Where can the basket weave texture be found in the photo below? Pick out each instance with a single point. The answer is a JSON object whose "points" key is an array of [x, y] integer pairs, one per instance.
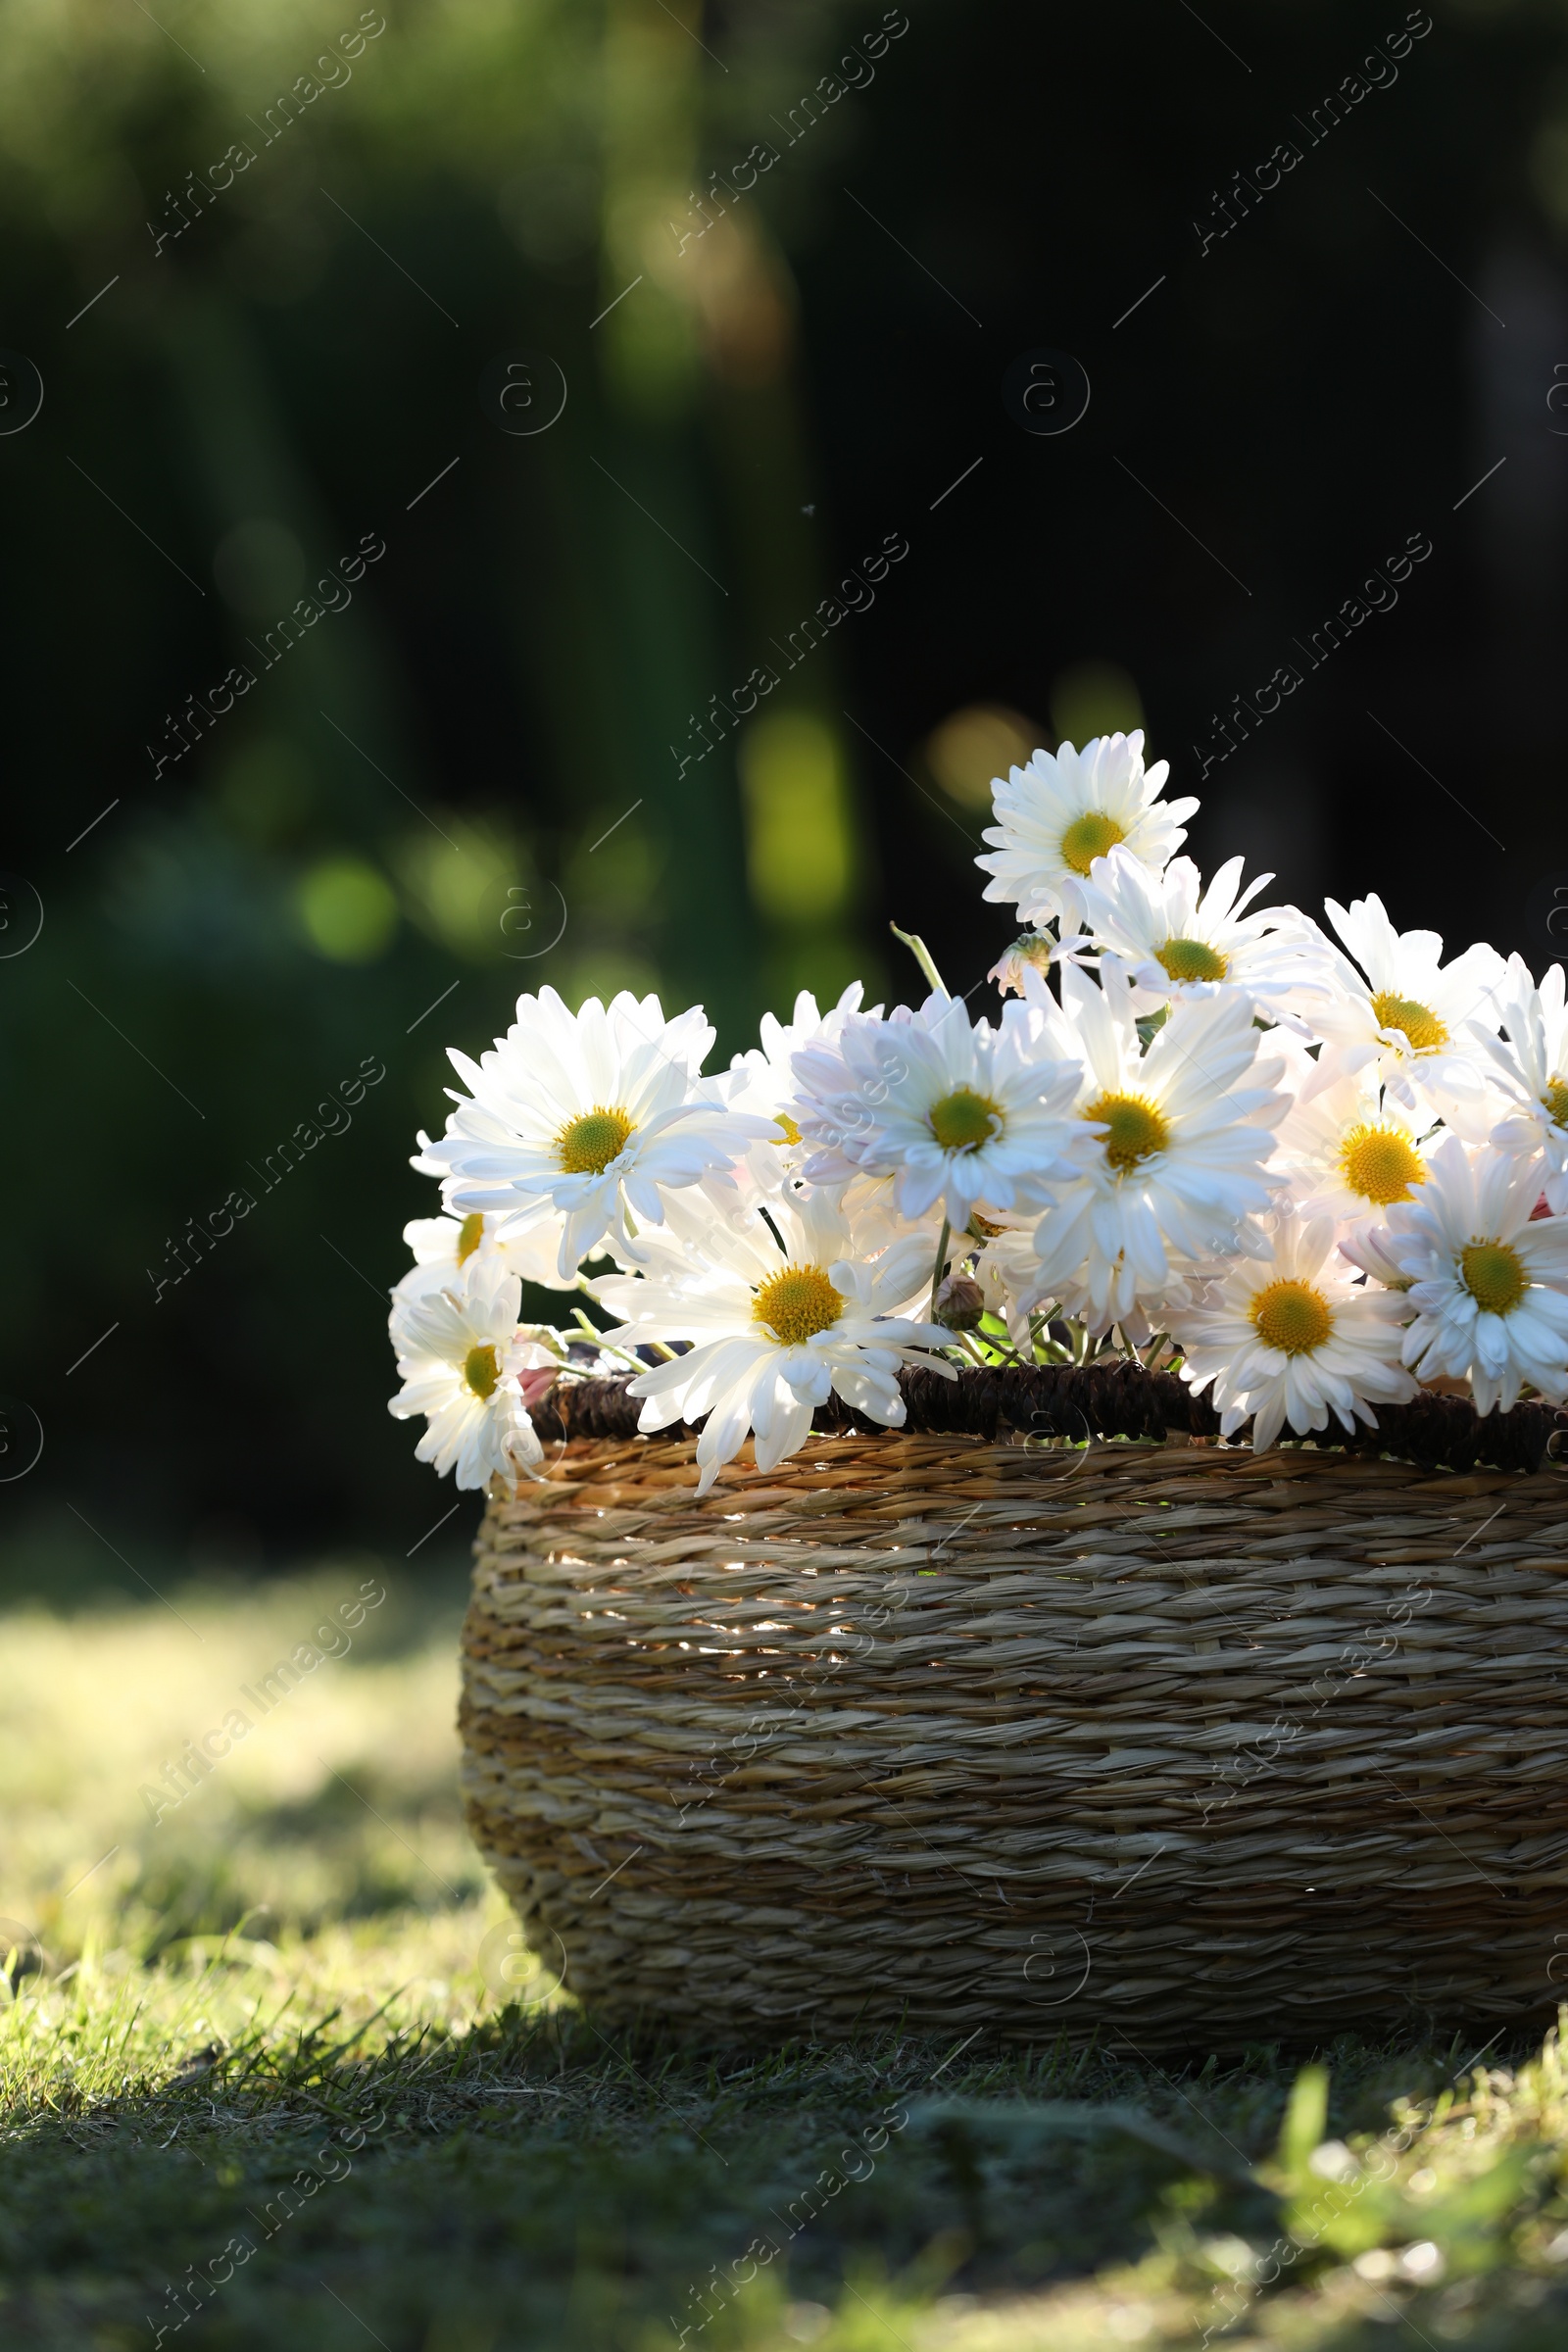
{"points": [[1174, 1742]]}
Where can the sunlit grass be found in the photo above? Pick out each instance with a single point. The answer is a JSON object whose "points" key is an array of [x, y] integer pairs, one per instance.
{"points": [[338, 1801]]}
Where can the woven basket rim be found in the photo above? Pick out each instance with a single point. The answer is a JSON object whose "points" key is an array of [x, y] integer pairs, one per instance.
{"points": [[1117, 1399]]}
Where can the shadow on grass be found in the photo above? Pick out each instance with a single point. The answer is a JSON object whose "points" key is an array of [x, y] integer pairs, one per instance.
{"points": [[541, 2181]]}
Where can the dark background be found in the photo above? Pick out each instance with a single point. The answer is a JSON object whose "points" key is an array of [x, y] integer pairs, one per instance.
{"points": [[238, 933]]}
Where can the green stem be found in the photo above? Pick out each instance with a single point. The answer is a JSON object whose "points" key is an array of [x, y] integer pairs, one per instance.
{"points": [[922, 956], [939, 1268], [1003, 1349], [591, 1331]]}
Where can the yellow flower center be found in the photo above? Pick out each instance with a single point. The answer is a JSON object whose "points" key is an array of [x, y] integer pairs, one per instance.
{"points": [[1494, 1275], [963, 1120], [1293, 1317], [1089, 837], [1381, 1164], [1137, 1129], [1421, 1025], [797, 1304], [1555, 1100], [471, 1236], [1191, 960], [481, 1371], [586, 1146], [792, 1133]]}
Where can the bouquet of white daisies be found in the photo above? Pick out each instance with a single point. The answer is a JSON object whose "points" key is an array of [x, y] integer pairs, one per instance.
{"points": [[1311, 1174]]}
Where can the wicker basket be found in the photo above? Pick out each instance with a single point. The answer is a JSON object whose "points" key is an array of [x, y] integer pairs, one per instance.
{"points": [[1172, 1742]]}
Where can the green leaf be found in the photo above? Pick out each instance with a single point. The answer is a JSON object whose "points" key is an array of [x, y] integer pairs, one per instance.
{"points": [[1305, 2118]]}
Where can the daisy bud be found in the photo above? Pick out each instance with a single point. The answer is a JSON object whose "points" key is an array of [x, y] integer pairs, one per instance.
{"points": [[1036, 948], [960, 1303]]}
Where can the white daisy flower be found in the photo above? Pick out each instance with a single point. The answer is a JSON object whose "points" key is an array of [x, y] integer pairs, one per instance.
{"points": [[1368, 1248], [1530, 1068], [763, 1080], [1036, 952], [1487, 1281], [780, 1313], [1291, 1338], [533, 1231], [1179, 1150], [466, 1367], [953, 1112], [1055, 816], [1349, 1150], [762, 1085], [580, 1122], [1179, 940], [1404, 1014], [442, 1245]]}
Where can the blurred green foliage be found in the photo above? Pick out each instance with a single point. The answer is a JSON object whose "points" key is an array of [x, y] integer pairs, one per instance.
{"points": [[308, 237]]}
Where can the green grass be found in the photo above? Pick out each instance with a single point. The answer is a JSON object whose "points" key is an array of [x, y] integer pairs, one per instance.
{"points": [[269, 2046]]}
